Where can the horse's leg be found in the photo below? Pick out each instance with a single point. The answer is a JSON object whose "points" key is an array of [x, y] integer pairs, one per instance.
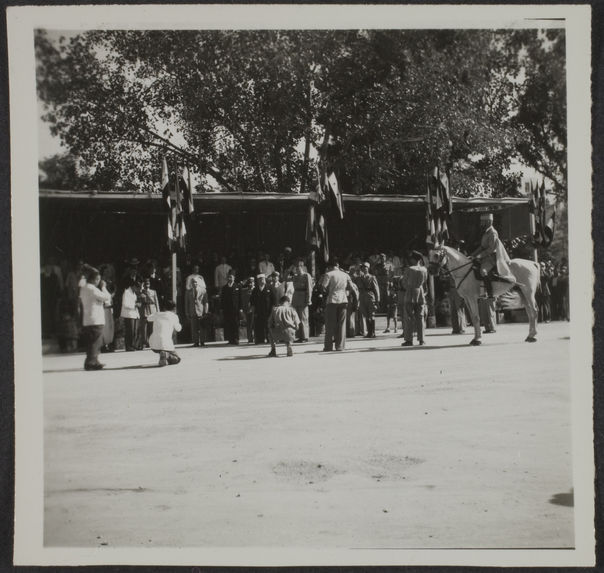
{"points": [[532, 311], [475, 316]]}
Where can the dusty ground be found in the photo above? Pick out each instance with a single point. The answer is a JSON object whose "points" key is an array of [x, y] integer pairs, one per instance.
{"points": [[378, 446]]}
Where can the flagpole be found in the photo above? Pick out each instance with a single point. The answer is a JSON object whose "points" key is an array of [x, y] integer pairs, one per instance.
{"points": [[533, 230]]}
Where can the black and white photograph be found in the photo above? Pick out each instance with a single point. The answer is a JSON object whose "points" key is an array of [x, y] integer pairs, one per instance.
{"points": [[302, 285]]}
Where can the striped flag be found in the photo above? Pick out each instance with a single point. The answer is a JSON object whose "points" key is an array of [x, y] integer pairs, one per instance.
{"points": [[439, 207]]}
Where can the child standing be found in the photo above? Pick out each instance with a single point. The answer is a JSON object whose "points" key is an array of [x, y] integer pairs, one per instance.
{"points": [[391, 305], [161, 341], [282, 325]]}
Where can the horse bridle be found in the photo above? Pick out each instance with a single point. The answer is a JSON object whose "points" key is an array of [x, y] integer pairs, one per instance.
{"points": [[442, 266]]}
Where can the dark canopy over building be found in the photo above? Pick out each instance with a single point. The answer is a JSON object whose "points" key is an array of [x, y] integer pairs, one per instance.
{"points": [[104, 226]]}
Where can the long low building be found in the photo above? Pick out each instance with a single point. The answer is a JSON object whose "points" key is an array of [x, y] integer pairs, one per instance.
{"points": [[115, 225]]}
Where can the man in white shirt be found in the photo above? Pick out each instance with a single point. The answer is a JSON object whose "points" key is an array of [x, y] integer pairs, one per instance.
{"points": [[265, 266], [221, 272], [336, 283]]}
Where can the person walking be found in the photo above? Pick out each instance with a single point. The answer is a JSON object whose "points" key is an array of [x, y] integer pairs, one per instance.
{"points": [[282, 325], [335, 282], [414, 279], [94, 296]]}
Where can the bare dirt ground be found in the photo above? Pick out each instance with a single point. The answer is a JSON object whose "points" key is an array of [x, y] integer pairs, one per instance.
{"points": [[445, 445]]}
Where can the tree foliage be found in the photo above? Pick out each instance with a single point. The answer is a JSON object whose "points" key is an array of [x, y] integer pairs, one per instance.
{"points": [[246, 109]]}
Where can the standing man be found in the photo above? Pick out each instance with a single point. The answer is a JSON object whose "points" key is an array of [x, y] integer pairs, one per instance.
{"points": [[369, 293], [336, 283], [261, 300], [230, 299], [246, 293], [414, 279], [302, 283], [196, 309]]}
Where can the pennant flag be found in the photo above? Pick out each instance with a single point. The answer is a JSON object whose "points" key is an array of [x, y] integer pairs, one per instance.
{"points": [[549, 229], [187, 192], [165, 183], [332, 185]]}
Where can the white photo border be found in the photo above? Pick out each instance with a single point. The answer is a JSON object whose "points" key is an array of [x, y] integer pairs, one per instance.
{"points": [[21, 23]]}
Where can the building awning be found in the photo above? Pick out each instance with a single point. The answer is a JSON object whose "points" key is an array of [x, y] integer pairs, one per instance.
{"points": [[246, 202]]}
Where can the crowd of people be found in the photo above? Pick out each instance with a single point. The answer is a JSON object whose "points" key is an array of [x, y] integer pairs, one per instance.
{"points": [[234, 298]]}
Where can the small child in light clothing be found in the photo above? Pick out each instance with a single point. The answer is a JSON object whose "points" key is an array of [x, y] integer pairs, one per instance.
{"points": [[282, 326], [161, 341]]}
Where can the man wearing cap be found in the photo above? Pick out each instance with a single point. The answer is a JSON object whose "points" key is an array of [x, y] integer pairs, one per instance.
{"points": [[232, 309], [302, 283], [414, 279], [335, 282], [491, 255], [261, 301], [369, 295]]}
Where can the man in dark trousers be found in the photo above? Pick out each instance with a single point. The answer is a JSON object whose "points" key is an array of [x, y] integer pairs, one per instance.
{"points": [[230, 300], [336, 283], [369, 294], [261, 300]]}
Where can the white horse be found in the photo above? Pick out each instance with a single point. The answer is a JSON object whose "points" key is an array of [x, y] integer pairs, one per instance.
{"points": [[459, 267]]}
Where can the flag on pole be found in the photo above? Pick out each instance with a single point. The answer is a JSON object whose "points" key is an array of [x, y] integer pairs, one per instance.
{"points": [[316, 224], [439, 207]]}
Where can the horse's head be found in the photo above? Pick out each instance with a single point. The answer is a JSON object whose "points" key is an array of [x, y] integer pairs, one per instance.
{"points": [[437, 259]]}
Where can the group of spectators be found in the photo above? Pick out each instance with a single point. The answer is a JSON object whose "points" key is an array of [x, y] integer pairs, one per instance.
{"points": [[238, 293], [552, 297]]}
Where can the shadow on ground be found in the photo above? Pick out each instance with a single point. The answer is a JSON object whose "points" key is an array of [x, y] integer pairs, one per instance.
{"points": [[565, 499]]}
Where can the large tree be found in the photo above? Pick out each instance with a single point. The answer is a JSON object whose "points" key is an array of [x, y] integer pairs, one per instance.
{"points": [[245, 109]]}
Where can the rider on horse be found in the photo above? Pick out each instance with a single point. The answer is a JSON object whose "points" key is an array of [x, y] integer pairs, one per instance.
{"points": [[491, 255]]}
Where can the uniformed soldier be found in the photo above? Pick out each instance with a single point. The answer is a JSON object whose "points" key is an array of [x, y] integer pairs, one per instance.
{"points": [[369, 294], [414, 279], [491, 255]]}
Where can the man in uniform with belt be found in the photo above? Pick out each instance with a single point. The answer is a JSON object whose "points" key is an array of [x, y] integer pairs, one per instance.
{"points": [[414, 279], [369, 294], [302, 283]]}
